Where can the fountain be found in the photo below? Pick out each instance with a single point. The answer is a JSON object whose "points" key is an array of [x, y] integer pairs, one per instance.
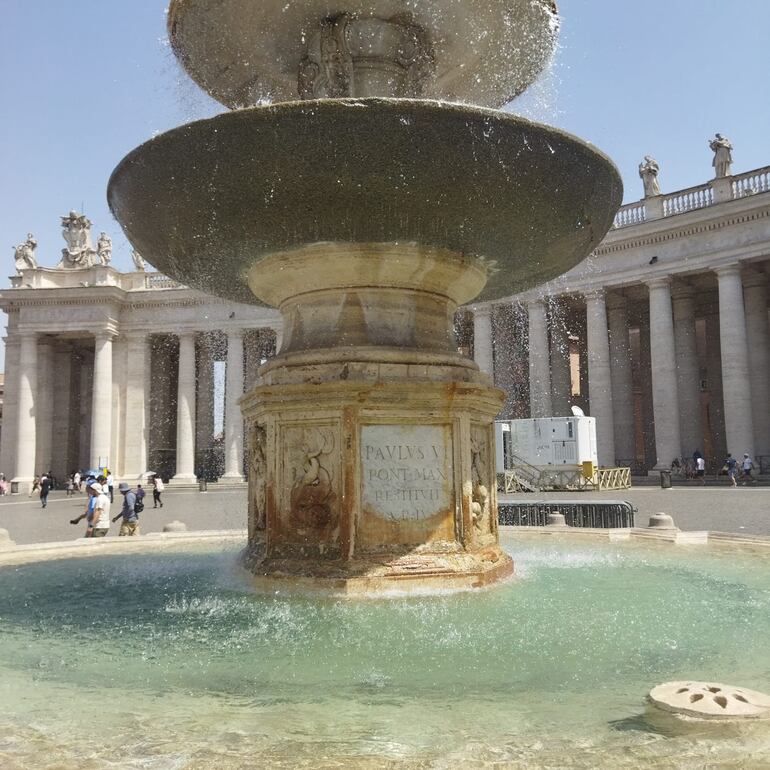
{"points": [[367, 208]]}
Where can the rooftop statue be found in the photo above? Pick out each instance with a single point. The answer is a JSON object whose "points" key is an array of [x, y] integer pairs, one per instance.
{"points": [[648, 171], [104, 249], [723, 155], [24, 254], [76, 230], [139, 264]]}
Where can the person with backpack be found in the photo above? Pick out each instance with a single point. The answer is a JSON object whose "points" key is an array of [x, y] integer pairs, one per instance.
{"points": [[130, 511]]}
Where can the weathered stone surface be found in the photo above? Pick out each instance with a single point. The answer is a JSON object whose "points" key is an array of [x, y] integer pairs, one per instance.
{"points": [[242, 52], [270, 180]]}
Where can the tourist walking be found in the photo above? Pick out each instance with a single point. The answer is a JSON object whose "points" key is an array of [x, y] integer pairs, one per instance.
{"points": [[3, 485], [731, 466], [130, 511], [157, 491], [45, 488], [76, 480], [746, 467], [35, 486], [700, 469], [97, 512], [140, 493]]}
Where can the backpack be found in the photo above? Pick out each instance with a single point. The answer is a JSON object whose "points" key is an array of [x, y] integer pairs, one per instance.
{"points": [[138, 506]]}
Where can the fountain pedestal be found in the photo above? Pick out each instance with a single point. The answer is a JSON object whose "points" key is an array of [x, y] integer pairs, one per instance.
{"points": [[370, 438], [382, 479]]}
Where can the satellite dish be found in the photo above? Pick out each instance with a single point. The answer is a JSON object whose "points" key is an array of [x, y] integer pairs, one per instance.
{"points": [[578, 412]]}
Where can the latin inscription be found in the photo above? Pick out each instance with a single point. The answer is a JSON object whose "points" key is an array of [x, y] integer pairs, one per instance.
{"points": [[407, 470]]}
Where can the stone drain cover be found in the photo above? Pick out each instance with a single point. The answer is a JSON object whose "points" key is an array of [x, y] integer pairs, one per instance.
{"points": [[706, 700]]}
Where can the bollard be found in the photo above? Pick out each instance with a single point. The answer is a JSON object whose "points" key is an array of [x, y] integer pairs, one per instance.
{"points": [[665, 479], [661, 521], [203, 485]]}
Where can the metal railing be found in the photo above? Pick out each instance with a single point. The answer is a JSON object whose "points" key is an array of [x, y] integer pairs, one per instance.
{"points": [[613, 478], [600, 514]]}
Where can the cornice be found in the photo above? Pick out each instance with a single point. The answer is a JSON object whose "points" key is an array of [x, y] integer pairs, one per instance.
{"points": [[673, 234]]}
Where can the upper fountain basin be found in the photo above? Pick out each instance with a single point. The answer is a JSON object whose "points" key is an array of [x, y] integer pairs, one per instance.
{"points": [[206, 202], [244, 52]]}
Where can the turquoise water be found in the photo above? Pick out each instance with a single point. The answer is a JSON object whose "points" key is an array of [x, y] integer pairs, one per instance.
{"points": [[170, 661]]}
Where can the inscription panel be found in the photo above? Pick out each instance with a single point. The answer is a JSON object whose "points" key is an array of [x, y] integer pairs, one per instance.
{"points": [[406, 471]]}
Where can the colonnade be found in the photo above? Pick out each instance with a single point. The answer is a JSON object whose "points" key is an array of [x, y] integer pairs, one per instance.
{"points": [[732, 367], [49, 377]]}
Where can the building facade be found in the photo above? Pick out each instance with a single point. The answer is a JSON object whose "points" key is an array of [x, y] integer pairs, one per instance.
{"points": [[662, 334], [119, 370]]}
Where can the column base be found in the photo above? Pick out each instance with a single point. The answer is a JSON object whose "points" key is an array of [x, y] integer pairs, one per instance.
{"points": [[232, 478], [21, 485], [183, 480]]}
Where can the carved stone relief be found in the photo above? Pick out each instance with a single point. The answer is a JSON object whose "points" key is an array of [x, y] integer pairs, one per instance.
{"points": [[481, 505], [257, 477], [312, 468]]}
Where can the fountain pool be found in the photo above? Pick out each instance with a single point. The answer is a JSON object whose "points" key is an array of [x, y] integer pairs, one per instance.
{"points": [[173, 662]]}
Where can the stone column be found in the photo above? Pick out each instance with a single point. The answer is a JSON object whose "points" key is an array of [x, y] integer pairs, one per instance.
{"points": [[204, 425], [136, 406], [25, 421], [561, 381], [62, 397], [539, 361], [736, 383], [278, 338], [599, 378], [648, 412], [758, 335], [10, 407], [44, 409], [185, 412], [482, 339], [665, 397], [233, 416], [101, 401], [716, 395], [687, 370], [622, 381]]}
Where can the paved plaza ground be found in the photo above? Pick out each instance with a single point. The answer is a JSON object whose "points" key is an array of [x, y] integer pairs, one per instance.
{"points": [[744, 510]]}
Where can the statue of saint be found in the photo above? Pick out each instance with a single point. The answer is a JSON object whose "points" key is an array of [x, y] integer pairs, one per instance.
{"points": [[76, 230], [648, 171], [24, 254], [723, 155], [104, 249], [138, 261]]}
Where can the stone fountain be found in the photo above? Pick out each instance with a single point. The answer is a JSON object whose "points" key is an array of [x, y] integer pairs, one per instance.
{"points": [[352, 189]]}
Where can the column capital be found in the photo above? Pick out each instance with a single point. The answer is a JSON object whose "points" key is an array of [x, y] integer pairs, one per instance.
{"points": [[105, 335], [26, 334], [661, 282], [734, 268], [682, 290], [594, 295], [481, 310]]}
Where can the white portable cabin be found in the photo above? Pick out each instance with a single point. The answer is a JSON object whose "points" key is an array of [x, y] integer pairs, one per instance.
{"points": [[546, 442]]}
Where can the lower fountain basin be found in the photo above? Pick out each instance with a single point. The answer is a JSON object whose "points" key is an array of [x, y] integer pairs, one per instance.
{"points": [[184, 667], [206, 202]]}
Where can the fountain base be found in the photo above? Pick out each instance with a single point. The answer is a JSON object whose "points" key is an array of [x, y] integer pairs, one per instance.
{"points": [[373, 477]]}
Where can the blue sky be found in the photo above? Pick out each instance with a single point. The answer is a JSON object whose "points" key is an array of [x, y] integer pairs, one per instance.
{"points": [[87, 80]]}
